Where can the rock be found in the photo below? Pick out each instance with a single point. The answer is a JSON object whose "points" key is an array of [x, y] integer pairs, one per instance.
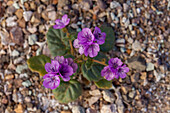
{"points": [[19, 13], [18, 60], [27, 15], [52, 15], [131, 94], [143, 76], [40, 8], [108, 109], [75, 26], [36, 18], [130, 40], [10, 10], [14, 53], [4, 38], [44, 15], [26, 83], [125, 7], [46, 51], [23, 75], [108, 96], [18, 83], [93, 100], [27, 99], [89, 110], [19, 109], [20, 68], [62, 3], [136, 46], [86, 4], [32, 39], [32, 29], [95, 92], [65, 111], [11, 21], [137, 62], [120, 42], [150, 67], [21, 23], [124, 89], [78, 109], [102, 5], [17, 35], [114, 4], [16, 5]]}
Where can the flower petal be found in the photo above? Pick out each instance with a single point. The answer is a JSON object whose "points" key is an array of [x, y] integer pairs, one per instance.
{"points": [[85, 37], [107, 73], [92, 50], [76, 43], [48, 67]]}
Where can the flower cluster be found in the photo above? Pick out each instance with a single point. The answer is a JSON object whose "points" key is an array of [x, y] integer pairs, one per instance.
{"points": [[88, 42], [61, 23], [115, 69], [59, 67]]}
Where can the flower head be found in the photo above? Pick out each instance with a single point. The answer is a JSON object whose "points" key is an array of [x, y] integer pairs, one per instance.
{"points": [[61, 23], [85, 37], [122, 71], [114, 70], [59, 67], [107, 73], [114, 64], [99, 36], [51, 81], [92, 50]]}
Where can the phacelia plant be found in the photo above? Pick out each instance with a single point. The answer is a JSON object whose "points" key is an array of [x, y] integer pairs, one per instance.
{"points": [[75, 54]]}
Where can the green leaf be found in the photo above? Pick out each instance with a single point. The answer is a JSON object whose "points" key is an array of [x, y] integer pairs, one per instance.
{"points": [[57, 42], [37, 64], [92, 70], [67, 91], [110, 39], [103, 84], [92, 73]]}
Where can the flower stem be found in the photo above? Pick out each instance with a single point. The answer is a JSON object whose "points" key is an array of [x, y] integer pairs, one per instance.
{"points": [[103, 63], [72, 50]]}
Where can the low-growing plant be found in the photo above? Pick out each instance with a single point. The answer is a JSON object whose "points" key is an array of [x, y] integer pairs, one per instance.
{"points": [[75, 54]]}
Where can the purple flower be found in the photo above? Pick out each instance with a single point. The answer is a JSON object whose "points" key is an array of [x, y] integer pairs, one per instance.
{"points": [[77, 45], [114, 70], [114, 64], [92, 50], [65, 71], [72, 64], [61, 23], [99, 36], [51, 81], [85, 37], [59, 67], [122, 71], [107, 73]]}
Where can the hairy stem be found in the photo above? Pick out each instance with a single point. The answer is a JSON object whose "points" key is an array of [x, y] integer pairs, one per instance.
{"points": [[72, 50], [103, 63]]}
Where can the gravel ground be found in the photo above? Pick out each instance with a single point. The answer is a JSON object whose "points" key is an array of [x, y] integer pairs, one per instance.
{"points": [[142, 41]]}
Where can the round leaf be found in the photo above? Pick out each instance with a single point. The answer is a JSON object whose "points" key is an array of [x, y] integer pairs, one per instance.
{"points": [[92, 73], [103, 84], [57, 42], [67, 91], [110, 39], [37, 64]]}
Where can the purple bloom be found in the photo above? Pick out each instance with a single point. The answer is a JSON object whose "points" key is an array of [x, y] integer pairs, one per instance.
{"points": [[72, 64], [77, 45], [99, 36], [61, 23], [85, 37], [107, 73], [92, 50], [65, 71], [122, 71], [114, 70], [114, 64], [59, 67], [51, 81]]}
